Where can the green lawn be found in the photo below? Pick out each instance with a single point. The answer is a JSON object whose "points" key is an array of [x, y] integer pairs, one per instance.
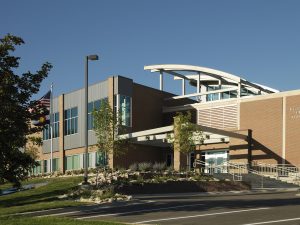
{"points": [[44, 197], [50, 221]]}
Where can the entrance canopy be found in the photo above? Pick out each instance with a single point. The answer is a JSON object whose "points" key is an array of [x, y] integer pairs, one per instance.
{"points": [[158, 137]]}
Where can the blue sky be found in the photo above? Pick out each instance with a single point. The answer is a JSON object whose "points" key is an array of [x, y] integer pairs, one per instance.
{"points": [[258, 40]]}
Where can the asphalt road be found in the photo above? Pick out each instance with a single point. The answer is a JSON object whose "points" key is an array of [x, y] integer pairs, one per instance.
{"points": [[271, 208]]}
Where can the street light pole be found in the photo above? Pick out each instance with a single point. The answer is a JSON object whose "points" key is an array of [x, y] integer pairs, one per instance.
{"points": [[85, 114]]}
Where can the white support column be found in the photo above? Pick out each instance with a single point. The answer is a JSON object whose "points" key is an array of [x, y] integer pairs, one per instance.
{"points": [[239, 90], [220, 87], [161, 80], [183, 86], [198, 83]]}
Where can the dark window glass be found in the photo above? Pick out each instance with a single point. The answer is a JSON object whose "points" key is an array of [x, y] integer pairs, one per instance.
{"points": [[71, 121], [95, 105]]}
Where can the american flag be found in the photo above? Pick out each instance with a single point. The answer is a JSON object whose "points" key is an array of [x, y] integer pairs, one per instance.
{"points": [[45, 100], [43, 119]]}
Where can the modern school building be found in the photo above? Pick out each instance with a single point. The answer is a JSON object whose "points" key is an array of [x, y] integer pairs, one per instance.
{"points": [[242, 121]]}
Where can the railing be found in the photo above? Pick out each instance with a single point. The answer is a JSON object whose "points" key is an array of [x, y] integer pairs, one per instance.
{"points": [[277, 170], [237, 169], [225, 167]]}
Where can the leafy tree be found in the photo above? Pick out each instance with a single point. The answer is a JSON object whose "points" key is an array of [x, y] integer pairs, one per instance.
{"points": [[107, 126], [15, 96], [185, 134]]}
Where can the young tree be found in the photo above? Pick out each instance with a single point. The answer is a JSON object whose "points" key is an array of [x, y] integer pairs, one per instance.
{"points": [[107, 126], [15, 117], [186, 135]]}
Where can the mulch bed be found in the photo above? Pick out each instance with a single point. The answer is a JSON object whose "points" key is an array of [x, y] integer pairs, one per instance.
{"points": [[182, 186]]}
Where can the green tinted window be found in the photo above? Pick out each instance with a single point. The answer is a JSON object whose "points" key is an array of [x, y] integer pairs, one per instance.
{"points": [[76, 162], [69, 162]]}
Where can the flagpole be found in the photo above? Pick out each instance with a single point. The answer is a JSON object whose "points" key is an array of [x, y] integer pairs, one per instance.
{"points": [[51, 128]]}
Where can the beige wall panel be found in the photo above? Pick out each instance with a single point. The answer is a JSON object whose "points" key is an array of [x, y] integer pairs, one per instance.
{"points": [[264, 117], [293, 130]]}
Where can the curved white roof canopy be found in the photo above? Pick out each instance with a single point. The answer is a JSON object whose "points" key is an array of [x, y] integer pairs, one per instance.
{"points": [[206, 74]]}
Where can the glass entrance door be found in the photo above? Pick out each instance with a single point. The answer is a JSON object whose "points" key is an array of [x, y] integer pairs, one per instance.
{"points": [[214, 160]]}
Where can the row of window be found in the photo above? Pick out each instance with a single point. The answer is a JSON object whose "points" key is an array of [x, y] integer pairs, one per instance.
{"points": [[72, 162], [122, 105], [46, 166], [227, 94], [76, 162]]}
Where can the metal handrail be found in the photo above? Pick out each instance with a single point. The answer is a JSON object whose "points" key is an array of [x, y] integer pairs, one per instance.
{"points": [[278, 170], [226, 166]]}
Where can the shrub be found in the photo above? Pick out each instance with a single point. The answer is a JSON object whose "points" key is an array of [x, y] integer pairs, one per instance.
{"points": [[121, 169], [108, 193], [140, 180], [133, 167], [93, 170], [76, 172], [159, 166], [160, 179], [145, 166]]}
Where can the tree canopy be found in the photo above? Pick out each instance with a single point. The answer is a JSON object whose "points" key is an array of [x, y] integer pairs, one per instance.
{"points": [[186, 135], [107, 126], [16, 91]]}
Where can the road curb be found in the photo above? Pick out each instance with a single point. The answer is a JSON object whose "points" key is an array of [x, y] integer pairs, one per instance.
{"points": [[208, 194]]}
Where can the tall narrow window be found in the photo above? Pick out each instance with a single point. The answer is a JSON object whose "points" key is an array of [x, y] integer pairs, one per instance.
{"points": [[71, 121], [95, 105], [125, 110], [55, 125], [46, 130]]}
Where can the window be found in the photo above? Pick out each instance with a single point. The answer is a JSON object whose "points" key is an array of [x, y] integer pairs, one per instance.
{"points": [[47, 130], [55, 125], [71, 121], [123, 106], [72, 162], [101, 159], [91, 159], [95, 105], [212, 97], [69, 163], [37, 169], [46, 166], [229, 94], [55, 164]]}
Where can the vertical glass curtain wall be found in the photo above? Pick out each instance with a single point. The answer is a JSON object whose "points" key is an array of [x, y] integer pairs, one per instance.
{"points": [[122, 105]]}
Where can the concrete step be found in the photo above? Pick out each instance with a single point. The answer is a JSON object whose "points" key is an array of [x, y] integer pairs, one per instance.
{"points": [[257, 181]]}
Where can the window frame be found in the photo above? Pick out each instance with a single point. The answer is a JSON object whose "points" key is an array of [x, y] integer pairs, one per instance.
{"points": [[70, 121]]}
